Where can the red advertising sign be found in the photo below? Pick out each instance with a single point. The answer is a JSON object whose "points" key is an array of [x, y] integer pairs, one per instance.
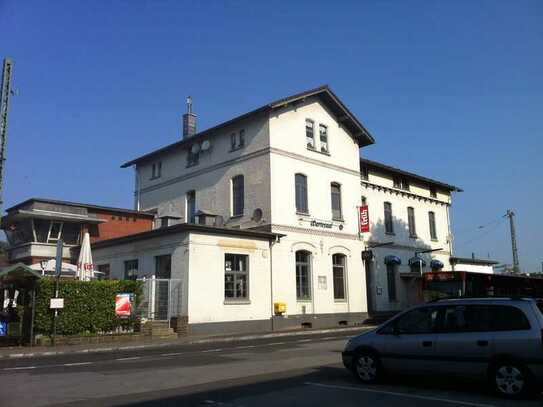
{"points": [[364, 219], [123, 305]]}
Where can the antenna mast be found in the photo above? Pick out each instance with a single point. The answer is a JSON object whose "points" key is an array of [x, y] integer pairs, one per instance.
{"points": [[516, 267], [5, 96]]}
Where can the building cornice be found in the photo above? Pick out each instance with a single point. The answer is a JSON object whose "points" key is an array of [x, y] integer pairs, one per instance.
{"points": [[401, 192]]}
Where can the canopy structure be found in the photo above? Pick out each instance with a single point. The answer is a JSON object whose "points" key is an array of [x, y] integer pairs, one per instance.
{"points": [[393, 260], [436, 264], [48, 268], [18, 275], [417, 261]]}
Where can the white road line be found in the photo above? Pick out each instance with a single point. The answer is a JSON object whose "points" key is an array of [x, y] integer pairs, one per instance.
{"points": [[132, 358], [303, 340], [245, 347], [172, 354], [77, 364], [19, 368], [329, 337], [274, 343], [399, 394], [211, 350]]}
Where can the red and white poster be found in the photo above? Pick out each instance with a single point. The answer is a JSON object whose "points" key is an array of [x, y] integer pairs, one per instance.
{"points": [[364, 219], [123, 305]]}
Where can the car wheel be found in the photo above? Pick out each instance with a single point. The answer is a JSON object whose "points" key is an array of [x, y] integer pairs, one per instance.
{"points": [[367, 367], [510, 379]]}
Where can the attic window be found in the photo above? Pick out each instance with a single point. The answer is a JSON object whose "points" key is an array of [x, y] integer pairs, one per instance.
{"points": [[156, 170], [401, 183], [309, 133]]}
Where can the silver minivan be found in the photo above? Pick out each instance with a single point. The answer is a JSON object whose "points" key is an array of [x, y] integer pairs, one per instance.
{"points": [[497, 339]]}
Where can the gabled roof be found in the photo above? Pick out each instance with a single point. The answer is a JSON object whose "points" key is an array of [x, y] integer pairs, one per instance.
{"points": [[329, 98], [392, 170], [83, 205]]}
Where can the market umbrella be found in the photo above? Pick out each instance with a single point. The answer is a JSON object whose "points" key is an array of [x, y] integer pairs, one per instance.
{"points": [[85, 268]]}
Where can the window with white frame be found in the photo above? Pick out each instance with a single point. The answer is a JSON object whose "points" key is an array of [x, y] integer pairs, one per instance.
{"points": [[389, 226], [237, 140], [236, 277], [411, 222], [323, 136], [55, 232], [432, 222], [335, 192], [300, 181], [309, 133], [303, 275]]}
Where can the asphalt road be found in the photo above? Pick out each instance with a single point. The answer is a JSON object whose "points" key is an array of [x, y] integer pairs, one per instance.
{"points": [[286, 371]]}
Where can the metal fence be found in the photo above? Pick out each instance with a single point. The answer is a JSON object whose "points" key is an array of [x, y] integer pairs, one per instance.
{"points": [[161, 299]]}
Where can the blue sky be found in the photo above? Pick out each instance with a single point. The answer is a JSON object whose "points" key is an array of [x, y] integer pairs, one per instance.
{"points": [[451, 90]]}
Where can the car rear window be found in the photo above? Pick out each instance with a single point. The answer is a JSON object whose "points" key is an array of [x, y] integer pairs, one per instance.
{"points": [[483, 318]]}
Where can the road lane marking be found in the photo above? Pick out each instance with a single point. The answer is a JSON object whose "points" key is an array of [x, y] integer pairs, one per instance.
{"points": [[172, 354], [275, 343], [20, 368], [212, 350], [131, 358], [77, 364], [303, 340], [399, 394], [245, 347]]}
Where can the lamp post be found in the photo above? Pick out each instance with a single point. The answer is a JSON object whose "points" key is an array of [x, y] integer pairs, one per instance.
{"points": [[417, 252]]}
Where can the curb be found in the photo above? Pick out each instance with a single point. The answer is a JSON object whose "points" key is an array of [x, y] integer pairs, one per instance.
{"points": [[221, 339]]}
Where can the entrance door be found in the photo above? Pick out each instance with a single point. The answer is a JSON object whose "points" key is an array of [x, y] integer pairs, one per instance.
{"points": [[163, 272], [370, 286]]}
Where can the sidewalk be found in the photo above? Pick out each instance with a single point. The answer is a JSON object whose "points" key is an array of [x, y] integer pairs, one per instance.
{"points": [[39, 351]]}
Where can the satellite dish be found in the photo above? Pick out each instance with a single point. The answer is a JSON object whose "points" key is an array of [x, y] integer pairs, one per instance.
{"points": [[205, 145], [195, 149]]}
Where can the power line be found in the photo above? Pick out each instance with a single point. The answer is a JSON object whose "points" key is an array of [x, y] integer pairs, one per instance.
{"points": [[488, 231]]}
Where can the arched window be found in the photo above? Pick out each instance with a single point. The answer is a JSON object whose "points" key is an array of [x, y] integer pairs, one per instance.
{"points": [[301, 193], [238, 191], [303, 275], [335, 190], [338, 271]]}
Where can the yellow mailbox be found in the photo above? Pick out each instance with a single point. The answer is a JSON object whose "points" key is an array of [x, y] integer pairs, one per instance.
{"points": [[279, 308]]}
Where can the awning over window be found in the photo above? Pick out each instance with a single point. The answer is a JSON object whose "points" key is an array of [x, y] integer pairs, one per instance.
{"points": [[417, 261], [393, 260], [436, 264]]}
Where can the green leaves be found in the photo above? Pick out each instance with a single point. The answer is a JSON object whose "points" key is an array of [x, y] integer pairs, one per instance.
{"points": [[89, 306]]}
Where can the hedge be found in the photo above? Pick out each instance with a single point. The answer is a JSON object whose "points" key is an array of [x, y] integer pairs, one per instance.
{"points": [[89, 306]]}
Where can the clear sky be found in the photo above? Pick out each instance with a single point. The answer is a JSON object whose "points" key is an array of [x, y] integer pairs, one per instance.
{"points": [[450, 90]]}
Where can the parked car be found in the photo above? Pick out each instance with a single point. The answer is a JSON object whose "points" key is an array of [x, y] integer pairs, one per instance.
{"points": [[497, 339]]}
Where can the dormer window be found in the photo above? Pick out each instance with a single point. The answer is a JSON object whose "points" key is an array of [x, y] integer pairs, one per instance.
{"points": [[323, 136], [156, 171], [401, 183], [309, 134]]}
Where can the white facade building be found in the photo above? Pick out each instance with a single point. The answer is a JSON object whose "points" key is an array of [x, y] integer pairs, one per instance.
{"points": [[290, 169]]}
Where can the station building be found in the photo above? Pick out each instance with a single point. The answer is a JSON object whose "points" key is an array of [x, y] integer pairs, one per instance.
{"points": [[264, 210]]}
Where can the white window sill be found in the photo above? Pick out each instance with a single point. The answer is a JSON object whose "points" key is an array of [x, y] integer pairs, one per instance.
{"points": [[237, 302]]}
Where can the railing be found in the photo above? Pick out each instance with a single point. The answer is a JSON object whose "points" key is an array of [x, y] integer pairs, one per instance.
{"points": [[161, 299]]}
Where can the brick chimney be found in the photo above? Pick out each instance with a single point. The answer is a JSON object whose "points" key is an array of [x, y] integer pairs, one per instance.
{"points": [[189, 121]]}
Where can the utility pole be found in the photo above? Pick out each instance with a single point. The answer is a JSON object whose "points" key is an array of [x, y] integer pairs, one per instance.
{"points": [[510, 214], [5, 96]]}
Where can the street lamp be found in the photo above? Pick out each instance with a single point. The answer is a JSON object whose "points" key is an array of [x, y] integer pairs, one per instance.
{"points": [[417, 252]]}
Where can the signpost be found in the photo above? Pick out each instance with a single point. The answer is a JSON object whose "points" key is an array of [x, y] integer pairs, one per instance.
{"points": [[55, 302]]}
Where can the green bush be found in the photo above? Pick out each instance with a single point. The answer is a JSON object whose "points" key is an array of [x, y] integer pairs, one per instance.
{"points": [[89, 306]]}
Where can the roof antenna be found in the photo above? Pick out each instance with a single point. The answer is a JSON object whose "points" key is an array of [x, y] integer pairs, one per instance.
{"points": [[189, 104]]}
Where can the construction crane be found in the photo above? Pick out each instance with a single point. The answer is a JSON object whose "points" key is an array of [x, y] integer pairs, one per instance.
{"points": [[5, 96]]}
